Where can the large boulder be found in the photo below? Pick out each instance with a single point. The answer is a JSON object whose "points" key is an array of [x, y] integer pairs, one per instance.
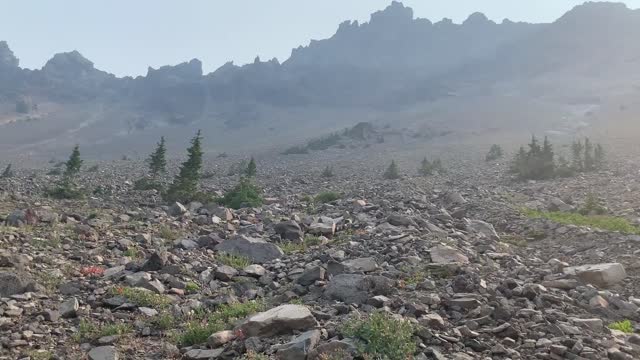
{"points": [[356, 289], [299, 347], [601, 275], [360, 265], [482, 228], [12, 284], [103, 353], [443, 254], [257, 250], [283, 319], [325, 229], [289, 230], [21, 218]]}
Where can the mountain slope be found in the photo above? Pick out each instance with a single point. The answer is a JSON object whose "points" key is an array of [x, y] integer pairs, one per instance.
{"points": [[392, 69]]}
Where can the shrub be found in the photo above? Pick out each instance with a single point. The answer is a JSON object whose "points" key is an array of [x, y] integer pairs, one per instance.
{"points": [[327, 172], [392, 171], [192, 287], [245, 194], [592, 206], [383, 336], [144, 184], [495, 153], [94, 168], [326, 197], [625, 326]]}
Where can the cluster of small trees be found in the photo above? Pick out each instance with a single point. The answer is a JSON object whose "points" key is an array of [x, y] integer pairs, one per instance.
{"points": [[185, 185], [426, 168], [538, 161]]}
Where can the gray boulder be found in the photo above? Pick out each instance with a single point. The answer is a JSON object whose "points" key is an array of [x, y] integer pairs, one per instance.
{"points": [[357, 289], [12, 284], [289, 230], [299, 347], [257, 250], [283, 319]]}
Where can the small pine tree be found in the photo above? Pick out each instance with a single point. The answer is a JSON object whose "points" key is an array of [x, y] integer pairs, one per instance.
{"points": [[577, 162], [244, 194], [73, 165], [185, 185], [66, 188], [589, 161], [8, 172], [495, 153], [392, 171], [327, 172], [251, 169], [157, 160], [548, 167], [598, 156], [428, 168]]}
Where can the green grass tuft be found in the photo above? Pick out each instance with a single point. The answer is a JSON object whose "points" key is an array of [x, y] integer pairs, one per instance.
{"points": [[625, 326], [206, 323], [382, 336], [235, 261], [326, 197], [142, 297]]}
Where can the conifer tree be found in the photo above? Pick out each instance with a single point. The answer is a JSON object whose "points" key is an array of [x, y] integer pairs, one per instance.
{"points": [[598, 156], [577, 160], [66, 188], [73, 165], [157, 160], [8, 172], [589, 162], [185, 185], [495, 152], [251, 169], [392, 171], [548, 166]]}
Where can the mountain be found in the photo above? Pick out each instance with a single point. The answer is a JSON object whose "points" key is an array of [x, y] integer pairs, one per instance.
{"points": [[396, 69]]}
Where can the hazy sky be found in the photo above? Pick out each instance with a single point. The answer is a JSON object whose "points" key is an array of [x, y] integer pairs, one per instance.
{"points": [[125, 36]]}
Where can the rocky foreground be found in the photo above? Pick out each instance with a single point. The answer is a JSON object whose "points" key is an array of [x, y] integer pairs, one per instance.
{"points": [[121, 275]]}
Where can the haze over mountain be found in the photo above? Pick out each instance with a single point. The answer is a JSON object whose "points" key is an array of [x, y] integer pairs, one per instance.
{"points": [[395, 69]]}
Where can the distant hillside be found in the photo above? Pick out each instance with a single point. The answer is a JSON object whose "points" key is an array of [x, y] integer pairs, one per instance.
{"points": [[394, 69]]}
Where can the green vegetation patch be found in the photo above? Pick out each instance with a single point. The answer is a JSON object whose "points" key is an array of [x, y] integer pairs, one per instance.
{"points": [[206, 323], [609, 223], [625, 326], [382, 336]]}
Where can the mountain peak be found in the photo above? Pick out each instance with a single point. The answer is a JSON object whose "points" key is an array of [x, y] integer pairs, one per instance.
{"points": [[595, 11], [476, 19], [396, 13], [68, 62], [7, 58]]}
